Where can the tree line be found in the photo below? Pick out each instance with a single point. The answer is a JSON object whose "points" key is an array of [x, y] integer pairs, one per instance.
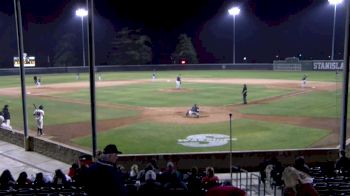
{"points": [[128, 47]]}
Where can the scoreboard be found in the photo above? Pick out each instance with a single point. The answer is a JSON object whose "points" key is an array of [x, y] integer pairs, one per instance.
{"points": [[29, 61]]}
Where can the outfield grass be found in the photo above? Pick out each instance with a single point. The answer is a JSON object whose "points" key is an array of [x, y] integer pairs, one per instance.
{"points": [[57, 112], [156, 95], [314, 104], [162, 138]]}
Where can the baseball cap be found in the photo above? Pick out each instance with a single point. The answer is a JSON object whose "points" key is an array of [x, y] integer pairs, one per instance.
{"points": [[111, 148]]}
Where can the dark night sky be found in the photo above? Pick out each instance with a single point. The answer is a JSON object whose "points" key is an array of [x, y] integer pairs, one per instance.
{"points": [[264, 29]]}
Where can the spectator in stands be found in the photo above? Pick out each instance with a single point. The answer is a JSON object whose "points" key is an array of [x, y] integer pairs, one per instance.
{"points": [[342, 163], [86, 160], [6, 180], [194, 182], [276, 173], [73, 170], [226, 190], [123, 171], [142, 173], [151, 186], [262, 167], [103, 177], [153, 162], [172, 178], [60, 179], [40, 181], [23, 181], [210, 179], [134, 172], [300, 165], [297, 183]]}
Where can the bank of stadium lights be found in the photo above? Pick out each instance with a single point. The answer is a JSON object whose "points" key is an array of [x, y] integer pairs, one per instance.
{"points": [[334, 3], [82, 13], [233, 12]]}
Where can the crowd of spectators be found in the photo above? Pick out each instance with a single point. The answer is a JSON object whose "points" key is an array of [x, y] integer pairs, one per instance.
{"points": [[104, 176]]}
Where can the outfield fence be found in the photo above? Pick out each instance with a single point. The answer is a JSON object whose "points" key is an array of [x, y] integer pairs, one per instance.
{"points": [[316, 65]]}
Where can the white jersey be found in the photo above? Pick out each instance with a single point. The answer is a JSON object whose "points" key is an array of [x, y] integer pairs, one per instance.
{"points": [[2, 119], [39, 114]]}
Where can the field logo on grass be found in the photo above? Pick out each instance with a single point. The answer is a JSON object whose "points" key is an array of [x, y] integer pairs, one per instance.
{"points": [[205, 140]]}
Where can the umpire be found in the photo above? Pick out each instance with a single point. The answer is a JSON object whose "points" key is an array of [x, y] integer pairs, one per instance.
{"points": [[244, 93]]}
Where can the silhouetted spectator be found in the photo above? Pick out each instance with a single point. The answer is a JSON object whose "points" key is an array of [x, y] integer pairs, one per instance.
{"points": [[102, 177], [153, 162], [172, 178], [150, 186], [6, 180], [142, 173], [194, 182], [276, 173], [85, 160], [262, 167], [74, 172], [343, 162], [40, 181], [60, 179], [23, 181], [300, 165]]}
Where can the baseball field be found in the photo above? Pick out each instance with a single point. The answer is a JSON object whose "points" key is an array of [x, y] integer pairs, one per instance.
{"points": [[142, 115]]}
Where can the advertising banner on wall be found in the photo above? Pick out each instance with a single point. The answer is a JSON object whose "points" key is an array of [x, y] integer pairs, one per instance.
{"points": [[328, 65]]}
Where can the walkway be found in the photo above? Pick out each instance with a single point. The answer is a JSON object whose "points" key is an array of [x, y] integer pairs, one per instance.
{"points": [[16, 159]]}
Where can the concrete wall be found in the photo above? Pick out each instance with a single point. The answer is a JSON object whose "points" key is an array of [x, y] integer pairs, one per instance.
{"points": [[220, 160]]}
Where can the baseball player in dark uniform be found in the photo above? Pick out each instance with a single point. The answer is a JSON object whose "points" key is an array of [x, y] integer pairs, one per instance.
{"points": [[244, 93], [6, 114], [303, 81], [154, 76], [35, 78], [193, 112]]}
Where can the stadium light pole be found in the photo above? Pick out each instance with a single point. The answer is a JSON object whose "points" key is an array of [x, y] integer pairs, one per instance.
{"points": [[82, 13], [335, 3], [234, 11], [230, 115]]}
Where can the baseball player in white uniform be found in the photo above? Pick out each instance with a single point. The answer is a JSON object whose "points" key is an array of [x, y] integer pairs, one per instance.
{"points": [[3, 124], [178, 82], [39, 117]]}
